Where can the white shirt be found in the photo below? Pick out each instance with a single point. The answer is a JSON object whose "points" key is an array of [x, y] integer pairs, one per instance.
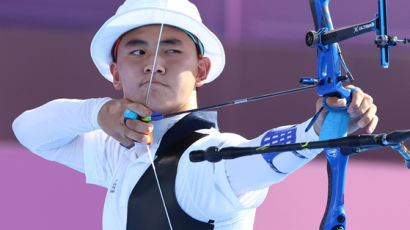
{"points": [[67, 131]]}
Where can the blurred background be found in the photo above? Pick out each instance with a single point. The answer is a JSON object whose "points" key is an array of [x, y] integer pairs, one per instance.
{"points": [[44, 55]]}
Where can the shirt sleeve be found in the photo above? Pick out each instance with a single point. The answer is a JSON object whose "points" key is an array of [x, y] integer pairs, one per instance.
{"points": [[102, 154], [55, 130], [202, 188], [224, 190], [260, 173]]}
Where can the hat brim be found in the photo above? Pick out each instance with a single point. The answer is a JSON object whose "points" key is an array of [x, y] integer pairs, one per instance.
{"points": [[117, 25]]}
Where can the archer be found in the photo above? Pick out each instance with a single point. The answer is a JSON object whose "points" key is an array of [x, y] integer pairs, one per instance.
{"points": [[157, 54]]}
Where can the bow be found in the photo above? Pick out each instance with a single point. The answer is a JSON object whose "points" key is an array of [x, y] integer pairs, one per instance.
{"points": [[329, 83]]}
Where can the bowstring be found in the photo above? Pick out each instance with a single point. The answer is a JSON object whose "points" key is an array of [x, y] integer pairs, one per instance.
{"points": [[154, 63], [146, 103]]}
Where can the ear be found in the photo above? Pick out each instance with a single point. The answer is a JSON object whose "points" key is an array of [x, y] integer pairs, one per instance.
{"points": [[204, 65], [116, 82]]}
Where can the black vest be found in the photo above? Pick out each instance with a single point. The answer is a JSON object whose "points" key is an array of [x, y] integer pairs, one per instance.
{"points": [[145, 208]]}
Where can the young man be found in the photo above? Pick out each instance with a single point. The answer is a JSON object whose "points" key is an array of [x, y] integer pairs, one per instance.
{"points": [[93, 137]]}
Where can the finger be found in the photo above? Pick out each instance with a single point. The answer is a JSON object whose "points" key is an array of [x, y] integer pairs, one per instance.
{"points": [[124, 141], [139, 126], [136, 136], [335, 102], [319, 104], [372, 126], [139, 109], [352, 87], [367, 117], [356, 101], [366, 104]]}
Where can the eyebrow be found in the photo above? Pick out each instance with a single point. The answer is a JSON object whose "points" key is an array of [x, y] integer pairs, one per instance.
{"points": [[134, 42], [170, 41]]}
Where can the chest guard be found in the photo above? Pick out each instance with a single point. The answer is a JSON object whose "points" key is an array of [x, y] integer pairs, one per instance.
{"points": [[145, 208]]}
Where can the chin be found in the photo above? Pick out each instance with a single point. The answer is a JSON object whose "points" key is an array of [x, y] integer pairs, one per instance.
{"points": [[137, 98], [158, 107]]}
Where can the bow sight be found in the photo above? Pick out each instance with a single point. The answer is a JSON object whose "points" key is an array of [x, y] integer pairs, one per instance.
{"points": [[323, 37]]}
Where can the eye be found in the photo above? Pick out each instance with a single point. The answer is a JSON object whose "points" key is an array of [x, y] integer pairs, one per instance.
{"points": [[172, 51], [138, 52]]}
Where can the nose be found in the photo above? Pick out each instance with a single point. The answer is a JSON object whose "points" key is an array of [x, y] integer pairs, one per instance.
{"points": [[158, 69]]}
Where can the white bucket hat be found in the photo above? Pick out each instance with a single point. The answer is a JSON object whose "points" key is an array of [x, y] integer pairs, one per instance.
{"points": [[136, 13]]}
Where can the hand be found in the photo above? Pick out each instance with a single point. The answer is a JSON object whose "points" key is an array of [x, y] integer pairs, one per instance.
{"points": [[111, 120], [362, 111]]}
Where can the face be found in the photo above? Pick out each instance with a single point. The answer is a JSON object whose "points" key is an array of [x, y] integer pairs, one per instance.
{"points": [[177, 72]]}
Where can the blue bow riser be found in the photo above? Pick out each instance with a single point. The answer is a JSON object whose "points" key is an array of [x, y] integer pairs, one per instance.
{"points": [[335, 126]]}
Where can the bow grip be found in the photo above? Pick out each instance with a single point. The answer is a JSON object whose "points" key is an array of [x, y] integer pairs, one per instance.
{"points": [[335, 126]]}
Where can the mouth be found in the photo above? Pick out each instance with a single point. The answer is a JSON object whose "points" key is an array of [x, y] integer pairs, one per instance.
{"points": [[153, 83]]}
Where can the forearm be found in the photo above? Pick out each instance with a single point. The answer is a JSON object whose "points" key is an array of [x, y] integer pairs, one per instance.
{"points": [[257, 172], [56, 123]]}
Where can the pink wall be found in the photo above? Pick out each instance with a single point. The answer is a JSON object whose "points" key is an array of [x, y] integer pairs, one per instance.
{"points": [[38, 194]]}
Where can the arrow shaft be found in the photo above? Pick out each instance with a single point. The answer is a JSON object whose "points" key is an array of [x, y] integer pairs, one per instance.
{"points": [[235, 102]]}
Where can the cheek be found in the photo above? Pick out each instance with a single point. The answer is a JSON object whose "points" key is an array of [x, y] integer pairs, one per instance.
{"points": [[186, 66], [187, 72], [124, 67], [129, 72], [185, 86], [131, 80]]}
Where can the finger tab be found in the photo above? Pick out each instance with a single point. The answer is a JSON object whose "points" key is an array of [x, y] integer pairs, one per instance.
{"points": [[145, 119], [150, 138], [130, 114]]}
